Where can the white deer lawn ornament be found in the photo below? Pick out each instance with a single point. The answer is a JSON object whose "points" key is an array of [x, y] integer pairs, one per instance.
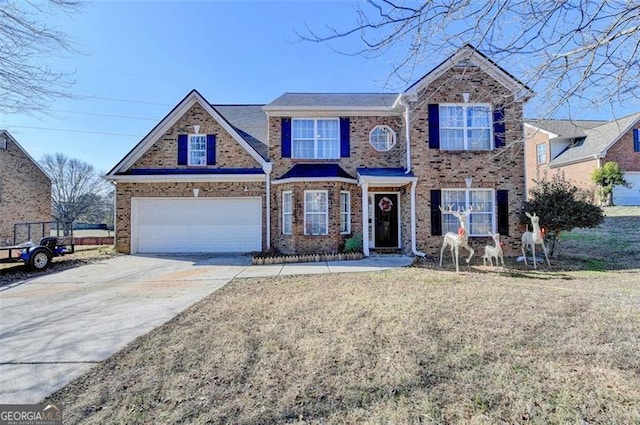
{"points": [[531, 239], [457, 240], [491, 252]]}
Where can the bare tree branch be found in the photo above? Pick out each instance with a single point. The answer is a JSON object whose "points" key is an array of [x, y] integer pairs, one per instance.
{"points": [[27, 82]]}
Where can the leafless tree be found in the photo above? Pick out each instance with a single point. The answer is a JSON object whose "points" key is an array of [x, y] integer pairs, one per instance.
{"points": [[76, 188], [572, 52], [27, 82]]}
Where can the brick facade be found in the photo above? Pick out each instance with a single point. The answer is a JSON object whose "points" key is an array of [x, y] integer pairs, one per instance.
{"points": [[622, 152], [25, 191]]}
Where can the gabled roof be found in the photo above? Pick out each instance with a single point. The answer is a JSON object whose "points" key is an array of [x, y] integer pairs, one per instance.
{"points": [[565, 128], [172, 117], [597, 141], [469, 55], [7, 135], [251, 123], [332, 102]]}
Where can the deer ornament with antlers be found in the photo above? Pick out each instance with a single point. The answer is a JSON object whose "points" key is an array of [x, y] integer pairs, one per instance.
{"points": [[531, 239], [457, 240]]}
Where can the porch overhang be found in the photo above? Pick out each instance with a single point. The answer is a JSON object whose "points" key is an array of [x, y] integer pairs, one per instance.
{"points": [[385, 177]]}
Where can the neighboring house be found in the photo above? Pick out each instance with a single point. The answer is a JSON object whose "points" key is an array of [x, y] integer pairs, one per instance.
{"points": [[578, 147], [306, 171], [25, 189]]}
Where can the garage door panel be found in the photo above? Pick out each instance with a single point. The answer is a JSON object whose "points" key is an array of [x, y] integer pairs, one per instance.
{"points": [[628, 196], [197, 225]]}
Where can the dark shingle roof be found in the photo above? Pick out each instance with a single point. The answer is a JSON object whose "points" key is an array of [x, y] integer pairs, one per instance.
{"points": [[315, 171], [334, 100], [598, 136], [384, 172], [251, 123], [566, 128]]}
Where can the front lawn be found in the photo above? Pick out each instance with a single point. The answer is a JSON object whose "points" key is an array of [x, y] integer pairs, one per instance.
{"points": [[404, 346]]}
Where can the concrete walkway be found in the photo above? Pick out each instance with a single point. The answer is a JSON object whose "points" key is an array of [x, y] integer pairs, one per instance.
{"points": [[55, 327]]}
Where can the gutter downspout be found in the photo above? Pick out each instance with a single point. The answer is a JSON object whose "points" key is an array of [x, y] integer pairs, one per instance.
{"points": [[365, 218], [268, 167], [414, 248], [407, 135]]}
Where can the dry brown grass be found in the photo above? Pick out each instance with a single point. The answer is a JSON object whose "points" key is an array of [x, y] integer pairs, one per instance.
{"points": [[404, 346]]}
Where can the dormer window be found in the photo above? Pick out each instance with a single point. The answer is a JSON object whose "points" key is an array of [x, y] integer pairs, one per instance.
{"points": [[382, 138]]}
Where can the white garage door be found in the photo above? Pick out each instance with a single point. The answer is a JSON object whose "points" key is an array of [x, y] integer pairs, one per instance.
{"points": [[196, 225], [628, 196]]}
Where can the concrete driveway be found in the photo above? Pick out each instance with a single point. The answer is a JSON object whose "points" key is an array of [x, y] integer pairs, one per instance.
{"points": [[55, 327]]}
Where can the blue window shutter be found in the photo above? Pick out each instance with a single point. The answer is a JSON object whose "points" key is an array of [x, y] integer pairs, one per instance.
{"points": [[211, 149], [286, 137], [434, 127], [502, 201], [183, 149], [636, 139], [345, 144], [436, 215], [498, 127]]}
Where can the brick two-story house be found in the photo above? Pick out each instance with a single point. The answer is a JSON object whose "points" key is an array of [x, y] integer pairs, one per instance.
{"points": [[306, 171], [25, 190], [577, 148]]}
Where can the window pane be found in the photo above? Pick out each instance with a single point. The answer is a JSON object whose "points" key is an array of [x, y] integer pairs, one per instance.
{"points": [[316, 224], [454, 198], [302, 148], [479, 139], [302, 129], [482, 200], [382, 138], [451, 117], [328, 129], [452, 139], [328, 149], [480, 224], [197, 158], [344, 202], [315, 202], [478, 116]]}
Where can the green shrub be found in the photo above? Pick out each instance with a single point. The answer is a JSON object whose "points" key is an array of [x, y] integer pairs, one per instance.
{"points": [[354, 243]]}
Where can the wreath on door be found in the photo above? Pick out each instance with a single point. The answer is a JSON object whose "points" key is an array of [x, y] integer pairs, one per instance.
{"points": [[385, 204]]}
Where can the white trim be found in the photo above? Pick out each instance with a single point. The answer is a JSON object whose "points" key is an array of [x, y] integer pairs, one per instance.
{"points": [[399, 212], [326, 213], [494, 203], [189, 150], [407, 135], [414, 247], [393, 138], [314, 179], [541, 130], [519, 90], [382, 181], [348, 212], [290, 213], [267, 207], [327, 111], [167, 122], [465, 128], [171, 178], [365, 218], [135, 204], [315, 137]]}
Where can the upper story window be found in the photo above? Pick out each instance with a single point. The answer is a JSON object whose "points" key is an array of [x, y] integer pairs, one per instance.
{"points": [[465, 127], [197, 149], [3, 143], [382, 138], [315, 138], [481, 219], [541, 153]]}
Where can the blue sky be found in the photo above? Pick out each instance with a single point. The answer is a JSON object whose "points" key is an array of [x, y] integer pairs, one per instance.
{"points": [[140, 58]]}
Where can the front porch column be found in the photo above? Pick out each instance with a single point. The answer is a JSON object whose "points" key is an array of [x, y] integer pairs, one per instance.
{"points": [[365, 219]]}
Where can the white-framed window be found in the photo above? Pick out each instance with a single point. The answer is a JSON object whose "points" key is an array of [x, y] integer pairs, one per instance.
{"points": [[197, 149], [3, 143], [315, 138], [466, 127], [480, 221], [541, 153], [316, 212], [345, 212], [287, 212], [382, 138]]}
